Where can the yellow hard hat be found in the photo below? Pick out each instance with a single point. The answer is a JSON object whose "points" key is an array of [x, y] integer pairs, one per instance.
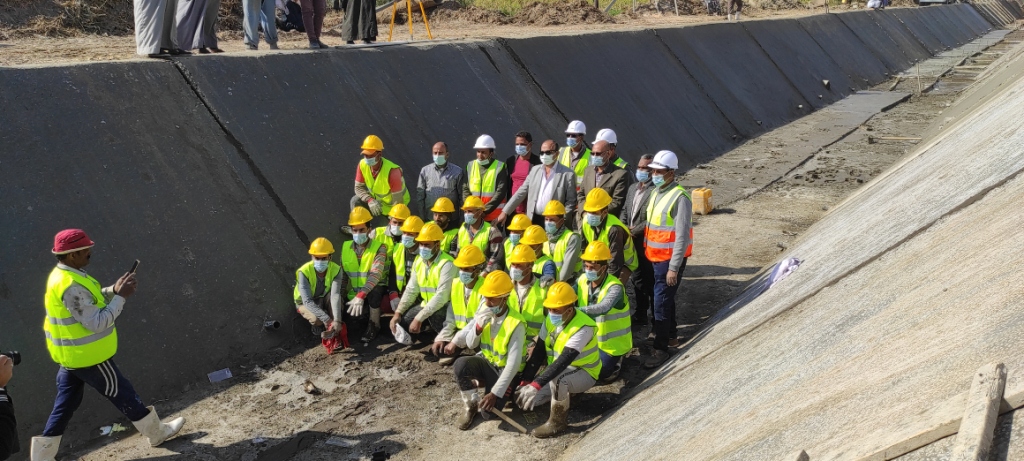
{"points": [[597, 251], [473, 203], [443, 205], [554, 208], [372, 142], [496, 284], [359, 215], [321, 247], [560, 295], [399, 211], [597, 200], [430, 232], [412, 225], [534, 235], [522, 254], [470, 256], [519, 223]]}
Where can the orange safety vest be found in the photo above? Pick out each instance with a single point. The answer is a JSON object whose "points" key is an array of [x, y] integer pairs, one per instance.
{"points": [[660, 233]]}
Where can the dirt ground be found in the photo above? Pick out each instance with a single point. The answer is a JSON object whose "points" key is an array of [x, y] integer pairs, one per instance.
{"points": [[397, 401]]}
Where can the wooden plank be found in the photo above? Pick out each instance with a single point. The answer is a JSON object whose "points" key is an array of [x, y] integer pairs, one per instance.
{"points": [[974, 441]]}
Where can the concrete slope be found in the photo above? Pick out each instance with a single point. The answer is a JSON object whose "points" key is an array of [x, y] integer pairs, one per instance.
{"points": [[876, 39], [126, 152], [906, 288], [836, 38], [924, 30]]}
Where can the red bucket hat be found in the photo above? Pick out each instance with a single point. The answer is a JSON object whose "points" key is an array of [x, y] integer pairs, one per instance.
{"points": [[70, 241]]}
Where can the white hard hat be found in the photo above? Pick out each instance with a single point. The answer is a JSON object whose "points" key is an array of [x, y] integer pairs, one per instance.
{"points": [[576, 126], [663, 160], [607, 135], [484, 142]]}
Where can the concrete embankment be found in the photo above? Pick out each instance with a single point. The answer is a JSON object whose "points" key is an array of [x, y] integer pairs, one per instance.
{"points": [[217, 171]]}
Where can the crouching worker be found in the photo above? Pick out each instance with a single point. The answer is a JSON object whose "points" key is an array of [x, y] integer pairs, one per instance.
{"points": [[603, 297], [365, 264], [501, 335], [464, 301], [425, 298], [568, 339], [317, 290]]}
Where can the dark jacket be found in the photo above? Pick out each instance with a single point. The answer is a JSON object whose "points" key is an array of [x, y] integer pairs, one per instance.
{"points": [[615, 181], [8, 427]]}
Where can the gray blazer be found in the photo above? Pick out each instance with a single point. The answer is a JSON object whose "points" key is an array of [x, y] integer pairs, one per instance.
{"points": [[563, 190]]}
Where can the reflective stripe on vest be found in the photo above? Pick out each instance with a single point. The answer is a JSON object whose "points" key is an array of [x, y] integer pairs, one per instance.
{"points": [[496, 350], [557, 252], [660, 233], [485, 185], [429, 278], [464, 308], [379, 186], [614, 335], [589, 359], [619, 162], [581, 166], [508, 253], [628, 250], [481, 239], [71, 344], [310, 272], [358, 269], [531, 310]]}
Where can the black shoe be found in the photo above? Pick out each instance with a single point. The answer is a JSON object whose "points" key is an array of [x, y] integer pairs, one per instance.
{"points": [[322, 45], [251, 47], [350, 42], [179, 52], [314, 45]]}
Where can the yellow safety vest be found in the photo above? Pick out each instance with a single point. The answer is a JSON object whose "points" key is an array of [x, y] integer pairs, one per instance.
{"points": [[71, 344], [614, 336], [485, 184], [398, 257], [557, 251], [449, 237], [496, 350], [429, 278], [589, 359], [660, 233], [538, 265], [379, 187], [532, 309], [628, 250], [382, 235], [480, 239], [565, 158], [465, 308], [358, 269], [310, 272]]}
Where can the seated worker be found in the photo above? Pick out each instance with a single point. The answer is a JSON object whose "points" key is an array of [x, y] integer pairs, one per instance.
{"points": [[568, 340], [603, 297], [527, 298], [543, 266], [600, 226], [501, 335], [465, 298], [402, 258], [364, 263], [443, 209], [289, 16], [515, 232], [475, 231], [391, 234], [563, 245], [313, 298], [425, 299]]}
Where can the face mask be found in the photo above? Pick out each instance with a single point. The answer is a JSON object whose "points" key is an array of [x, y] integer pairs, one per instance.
{"points": [[556, 319], [520, 150], [321, 266], [426, 252], [591, 275], [658, 179], [360, 238], [470, 218], [593, 219], [484, 162], [571, 142], [597, 160], [547, 159], [514, 238], [643, 176], [550, 227], [516, 274], [439, 160], [370, 161], [394, 228], [466, 277], [497, 310], [408, 241]]}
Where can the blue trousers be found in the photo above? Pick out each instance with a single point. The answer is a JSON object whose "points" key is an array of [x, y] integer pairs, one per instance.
{"points": [[105, 378], [665, 305], [257, 13], [609, 363]]}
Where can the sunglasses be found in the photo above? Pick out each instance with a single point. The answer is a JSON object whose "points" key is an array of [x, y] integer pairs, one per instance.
{"points": [[549, 152], [574, 135]]}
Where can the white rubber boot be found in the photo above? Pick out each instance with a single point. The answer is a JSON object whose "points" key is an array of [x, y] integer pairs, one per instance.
{"points": [[45, 448], [157, 431], [557, 421]]}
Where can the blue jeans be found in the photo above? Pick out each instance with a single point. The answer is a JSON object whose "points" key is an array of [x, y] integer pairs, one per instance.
{"points": [[609, 364], [105, 378], [665, 305], [259, 12]]}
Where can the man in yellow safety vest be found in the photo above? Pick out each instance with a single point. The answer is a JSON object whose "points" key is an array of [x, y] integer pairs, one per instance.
{"points": [[515, 230], [379, 184], [318, 287], [599, 225], [528, 296], [603, 297], [464, 301], [563, 244], [477, 232], [487, 178], [428, 292], [402, 258], [443, 210], [364, 264], [543, 266], [576, 155], [391, 234]]}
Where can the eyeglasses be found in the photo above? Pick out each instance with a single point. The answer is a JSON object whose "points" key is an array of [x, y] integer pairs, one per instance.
{"points": [[574, 135], [549, 152], [596, 152]]}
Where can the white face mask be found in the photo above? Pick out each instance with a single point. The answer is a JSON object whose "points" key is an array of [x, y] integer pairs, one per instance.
{"points": [[321, 265], [547, 159], [394, 229]]}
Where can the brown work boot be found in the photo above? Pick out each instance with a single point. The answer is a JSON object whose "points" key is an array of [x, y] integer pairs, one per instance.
{"points": [[557, 422], [466, 418], [657, 358]]}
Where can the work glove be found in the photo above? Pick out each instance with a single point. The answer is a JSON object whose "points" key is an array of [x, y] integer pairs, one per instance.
{"points": [[526, 396], [355, 307], [483, 316], [375, 208]]}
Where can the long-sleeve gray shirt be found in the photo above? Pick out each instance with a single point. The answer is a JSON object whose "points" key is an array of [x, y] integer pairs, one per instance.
{"points": [[441, 296], [682, 213], [615, 298], [78, 300], [515, 346], [313, 301], [439, 181]]}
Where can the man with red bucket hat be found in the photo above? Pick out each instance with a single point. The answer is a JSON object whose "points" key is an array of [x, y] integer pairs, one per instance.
{"points": [[81, 338]]}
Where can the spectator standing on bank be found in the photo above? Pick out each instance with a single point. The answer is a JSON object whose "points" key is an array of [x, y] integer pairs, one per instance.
{"points": [[197, 25], [360, 21], [259, 13], [313, 12], [155, 34]]}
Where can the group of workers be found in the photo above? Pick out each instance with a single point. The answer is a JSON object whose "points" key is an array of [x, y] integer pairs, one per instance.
{"points": [[531, 274]]}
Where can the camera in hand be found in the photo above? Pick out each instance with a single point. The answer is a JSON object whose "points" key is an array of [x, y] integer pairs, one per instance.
{"points": [[14, 355]]}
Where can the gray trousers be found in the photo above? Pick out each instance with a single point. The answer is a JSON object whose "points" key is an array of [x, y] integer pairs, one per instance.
{"points": [[572, 381], [436, 320], [155, 26]]}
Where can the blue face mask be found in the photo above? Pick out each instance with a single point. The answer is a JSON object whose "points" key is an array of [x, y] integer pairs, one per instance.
{"points": [[426, 252], [516, 274], [469, 218], [570, 141], [658, 179], [439, 160], [465, 277], [484, 162], [591, 275], [597, 160], [497, 310], [556, 319], [643, 176], [593, 219], [370, 161], [514, 238], [550, 227], [360, 238], [321, 266], [408, 241], [520, 150]]}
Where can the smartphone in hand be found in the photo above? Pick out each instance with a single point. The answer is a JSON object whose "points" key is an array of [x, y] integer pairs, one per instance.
{"points": [[134, 267]]}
